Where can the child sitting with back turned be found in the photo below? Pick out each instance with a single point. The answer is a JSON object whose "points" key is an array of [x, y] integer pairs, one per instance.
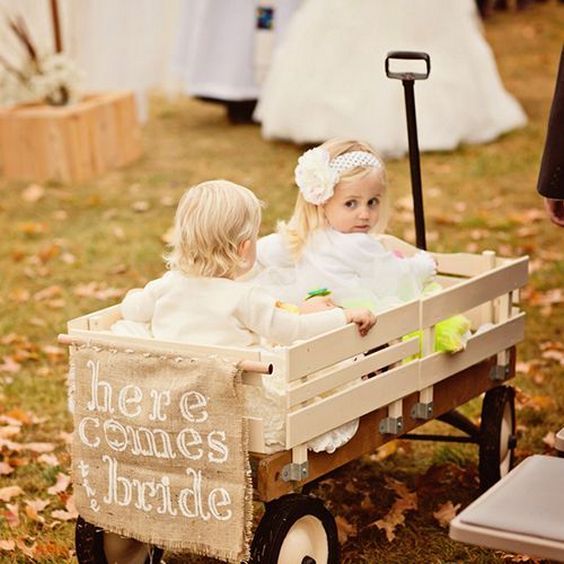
{"points": [[199, 301], [330, 240]]}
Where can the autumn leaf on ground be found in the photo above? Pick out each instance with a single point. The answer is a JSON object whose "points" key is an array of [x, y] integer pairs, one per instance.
{"points": [[98, 291], [8, 431], [550, 439], [32, 228], [12, 514], [33, 193], [48, 293], [19, 415], [49, 459], [34, 507], [5, 469], [28, 551], [405, 501], [60, 485], [70, 513], [445, 513], [38, 447], [7, 545], [345, 529], [9, 365], [7, 493]]}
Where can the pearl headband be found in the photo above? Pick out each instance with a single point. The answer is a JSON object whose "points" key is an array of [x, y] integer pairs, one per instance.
{"points": [[317, 175]]}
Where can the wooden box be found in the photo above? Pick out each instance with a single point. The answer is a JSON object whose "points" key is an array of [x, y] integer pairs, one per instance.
{"points": [[72, 143]]}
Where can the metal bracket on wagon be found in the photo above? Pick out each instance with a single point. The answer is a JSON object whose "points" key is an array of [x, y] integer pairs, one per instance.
{"points": [[422, 410], [499, 373], [295, 471], [391, 426]]}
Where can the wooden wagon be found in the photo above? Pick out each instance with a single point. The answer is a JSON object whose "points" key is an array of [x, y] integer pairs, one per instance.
{"points": [[392, 383]]}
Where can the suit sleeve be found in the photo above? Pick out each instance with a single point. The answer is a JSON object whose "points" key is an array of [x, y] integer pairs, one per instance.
{"points": [[551, 176]]}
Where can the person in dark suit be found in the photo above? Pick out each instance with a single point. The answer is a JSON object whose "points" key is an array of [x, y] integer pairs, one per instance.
{"points": [[551, 176]]}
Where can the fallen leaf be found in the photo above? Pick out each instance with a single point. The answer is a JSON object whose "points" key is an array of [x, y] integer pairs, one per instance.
{"points": [[7, 493], [5, 469], [66, 437], [33, 193], [49, 459], [7, 545], [445, 513], [39, 447], [62, 483], [12, 514], [26, 550], [19, 295], [17, 414], [140, 206], [8, 431], [389, 523], [550, 439], [34, 507], [9, 365], [48, 293], [345, 529], [32, 228]]}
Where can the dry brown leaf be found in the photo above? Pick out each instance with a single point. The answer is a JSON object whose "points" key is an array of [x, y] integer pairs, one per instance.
{"points": [[17, 414], [5, 469], [12, 514], [65, 437], [98, 291], [7, 493], [28, 551], [32, 228], [140, 206], [8, 431], [389, 522], [9, 365], [550, 439], [48, 293], [445, 513], [34, 507], [39, 447], [33, 193], [7, 545], [62, 483], [49, 459], [345, 529], [366, 504], [19, 295]]}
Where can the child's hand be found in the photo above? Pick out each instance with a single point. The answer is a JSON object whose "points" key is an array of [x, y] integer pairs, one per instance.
{"points": [[320, 303], [363, 317]]}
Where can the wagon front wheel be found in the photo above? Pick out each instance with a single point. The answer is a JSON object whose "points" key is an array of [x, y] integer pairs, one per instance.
{"points": [[296, 529], [497, 435], [96, 546]]}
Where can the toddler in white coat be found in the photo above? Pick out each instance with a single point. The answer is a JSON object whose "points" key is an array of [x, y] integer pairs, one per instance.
{"points": [[330, 240]]}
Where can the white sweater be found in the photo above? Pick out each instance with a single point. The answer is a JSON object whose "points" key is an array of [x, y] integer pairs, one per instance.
{"points": [[219, 311], [354, 266]]}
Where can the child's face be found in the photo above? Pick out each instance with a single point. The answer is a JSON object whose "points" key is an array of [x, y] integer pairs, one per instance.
{"points": [[355, 205]]}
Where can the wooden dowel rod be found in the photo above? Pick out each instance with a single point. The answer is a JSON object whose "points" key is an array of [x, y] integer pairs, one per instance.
{"points": [[244, 365]]}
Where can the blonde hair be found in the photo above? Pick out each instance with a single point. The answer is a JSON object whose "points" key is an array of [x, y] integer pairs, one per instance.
{"points": [[308, 217], [212, 220]]}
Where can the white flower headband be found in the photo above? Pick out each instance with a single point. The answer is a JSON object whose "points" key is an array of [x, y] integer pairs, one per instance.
{"points": [[317, 175]]}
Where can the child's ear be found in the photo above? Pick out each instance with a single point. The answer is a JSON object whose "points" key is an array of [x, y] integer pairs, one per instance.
{"points": [[243, 248]]}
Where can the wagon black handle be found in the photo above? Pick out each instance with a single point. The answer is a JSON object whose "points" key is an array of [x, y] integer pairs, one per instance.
{"points": [[408, 81], [408, 56]]}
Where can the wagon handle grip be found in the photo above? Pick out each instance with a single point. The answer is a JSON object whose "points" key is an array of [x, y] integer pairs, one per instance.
{"points": [[245, 365], [408, 56], [408, 81]]}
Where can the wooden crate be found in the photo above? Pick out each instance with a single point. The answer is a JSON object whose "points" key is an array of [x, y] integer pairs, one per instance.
{"points": [[71, 143]]}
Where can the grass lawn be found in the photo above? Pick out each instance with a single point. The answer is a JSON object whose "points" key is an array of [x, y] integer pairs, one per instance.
{"points": [[69, 250]]}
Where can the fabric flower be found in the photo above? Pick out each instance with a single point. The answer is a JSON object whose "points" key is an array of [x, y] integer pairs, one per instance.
{"points": [[314, 177]]}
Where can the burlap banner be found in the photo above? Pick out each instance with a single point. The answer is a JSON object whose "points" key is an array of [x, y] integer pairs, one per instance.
{"points": [[159, 451]]}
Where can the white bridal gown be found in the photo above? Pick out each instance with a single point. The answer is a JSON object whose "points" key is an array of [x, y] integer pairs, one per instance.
{"points": [[327, 78]]}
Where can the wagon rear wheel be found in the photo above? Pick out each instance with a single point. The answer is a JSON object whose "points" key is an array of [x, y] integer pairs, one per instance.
{"points": [[296, 529], [96, 546], [497, 435]]}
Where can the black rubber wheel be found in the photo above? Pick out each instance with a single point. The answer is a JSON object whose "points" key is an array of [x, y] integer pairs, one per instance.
{"points": [[497, 435], [296, 529], [89, 544]]}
